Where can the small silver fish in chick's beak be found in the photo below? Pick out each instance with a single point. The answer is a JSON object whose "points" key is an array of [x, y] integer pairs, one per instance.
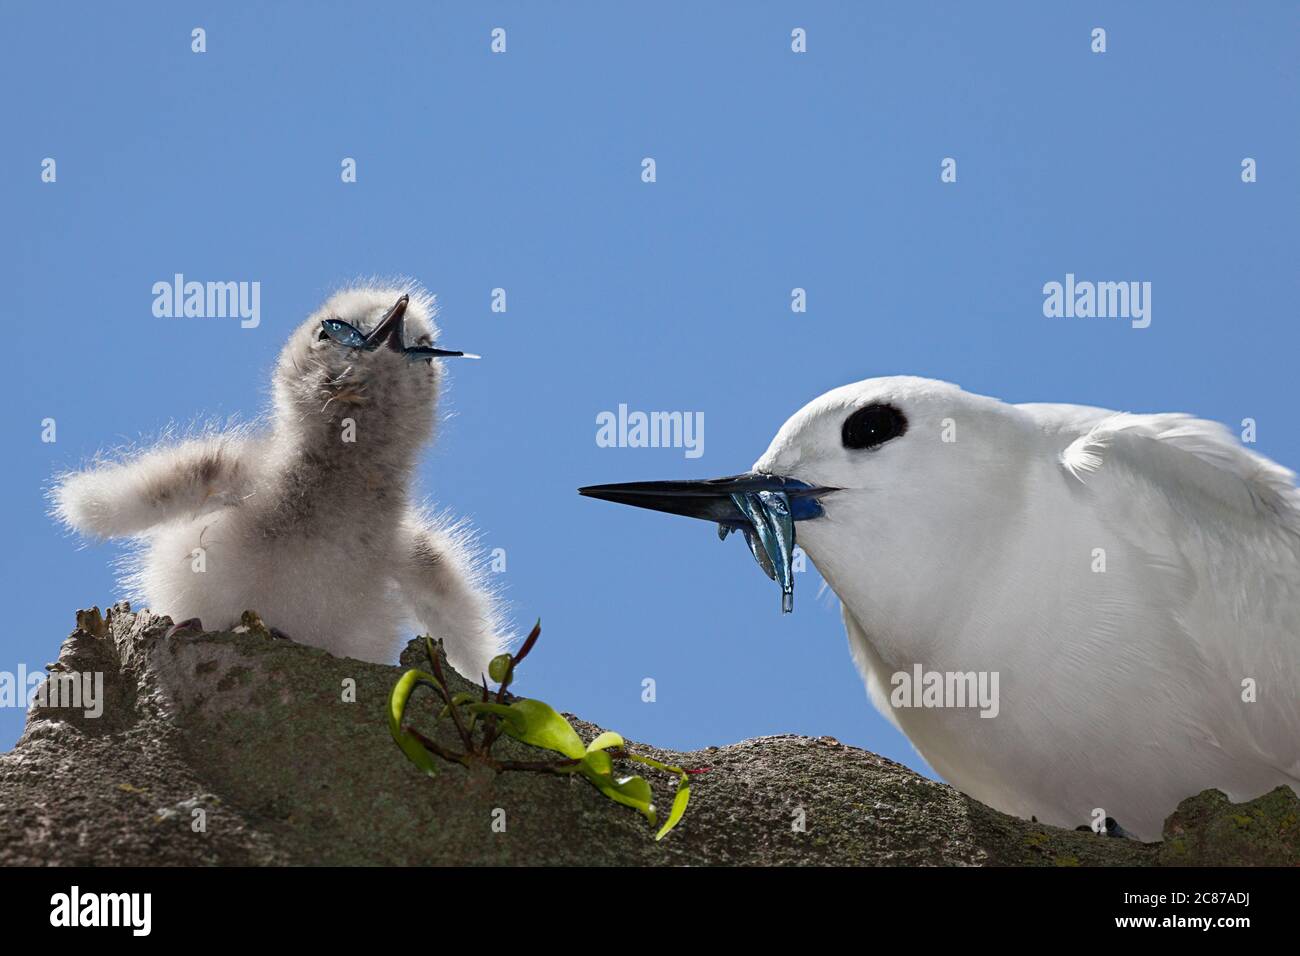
{"points": [[390, 331], [763, 507]]}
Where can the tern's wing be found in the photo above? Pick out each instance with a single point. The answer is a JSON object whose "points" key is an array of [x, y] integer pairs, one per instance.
{"points": [[1214, 531], [1190, 456], [133, 492]]}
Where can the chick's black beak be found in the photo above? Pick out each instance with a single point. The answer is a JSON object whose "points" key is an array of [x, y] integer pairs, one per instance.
{"points": [[391, 329], [711, 499]]}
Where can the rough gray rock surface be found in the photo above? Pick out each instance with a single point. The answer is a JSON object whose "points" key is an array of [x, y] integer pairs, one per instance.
{"points": [[256, 732]]}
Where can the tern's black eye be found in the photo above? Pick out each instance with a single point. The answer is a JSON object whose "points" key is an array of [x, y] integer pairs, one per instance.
{"points": [[873, 425]]}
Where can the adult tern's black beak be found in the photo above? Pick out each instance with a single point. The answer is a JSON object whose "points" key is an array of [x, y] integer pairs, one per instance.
{"points": [[391, 328], [711, 499]]}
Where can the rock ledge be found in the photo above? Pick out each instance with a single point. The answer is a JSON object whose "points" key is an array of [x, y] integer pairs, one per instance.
{"points": [[252, 736]]}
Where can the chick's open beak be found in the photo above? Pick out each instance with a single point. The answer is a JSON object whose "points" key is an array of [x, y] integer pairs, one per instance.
{"points": [[391, 330]]}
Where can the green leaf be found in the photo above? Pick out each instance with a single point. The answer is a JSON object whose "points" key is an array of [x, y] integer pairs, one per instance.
{"points": [[630, 791], [542, 726], [679, 808], [605, 741], [397, 702], [597, 763], [511, 717]]}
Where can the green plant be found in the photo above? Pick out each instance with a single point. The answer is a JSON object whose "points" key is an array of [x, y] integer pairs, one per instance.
{"points": [[481, 718]]}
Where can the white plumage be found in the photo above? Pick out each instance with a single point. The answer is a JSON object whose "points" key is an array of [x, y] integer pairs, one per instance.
{"points": [[309, 519], [972, 542]]}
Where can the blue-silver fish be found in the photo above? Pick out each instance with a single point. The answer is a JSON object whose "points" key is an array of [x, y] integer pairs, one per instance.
{"points": [[770, 537], [344, 333], [763, 507]]}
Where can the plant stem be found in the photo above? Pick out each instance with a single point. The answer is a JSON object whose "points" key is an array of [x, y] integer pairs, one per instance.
{"points": [[533, 766], [490, 728], [436, 663], [651, 762], [436, 748]]}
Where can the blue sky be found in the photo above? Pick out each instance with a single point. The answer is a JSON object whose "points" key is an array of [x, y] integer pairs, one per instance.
{"points": [[523, 171]]}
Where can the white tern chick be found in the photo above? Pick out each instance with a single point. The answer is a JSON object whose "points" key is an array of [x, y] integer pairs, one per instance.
{"points": [[1134, 580], [309, 521]]}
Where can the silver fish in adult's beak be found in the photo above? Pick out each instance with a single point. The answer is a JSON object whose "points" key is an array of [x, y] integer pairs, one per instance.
{"points": [[763, 507]]}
